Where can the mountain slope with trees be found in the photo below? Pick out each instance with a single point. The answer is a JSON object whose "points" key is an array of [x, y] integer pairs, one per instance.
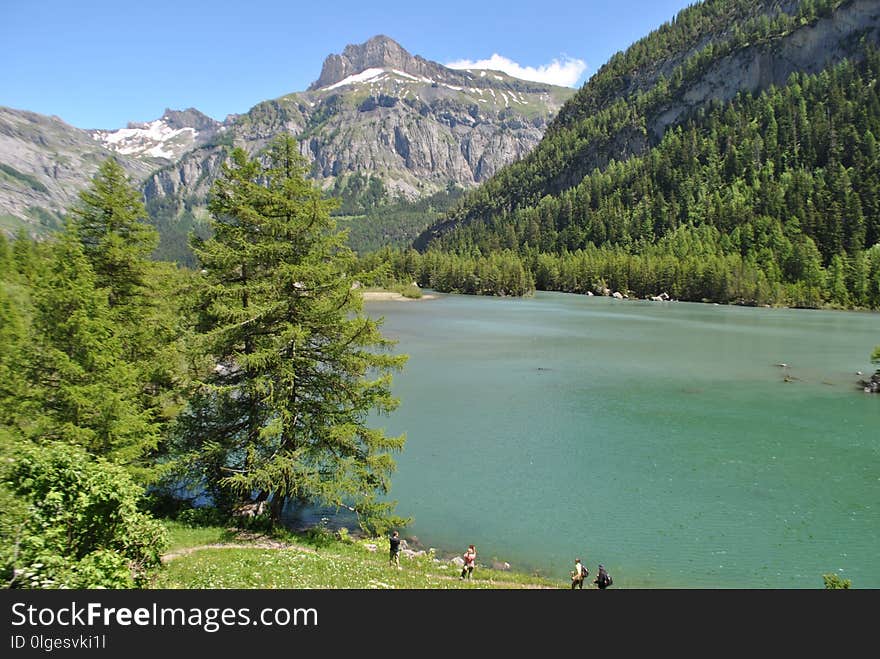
{"points": [[769, 196]]}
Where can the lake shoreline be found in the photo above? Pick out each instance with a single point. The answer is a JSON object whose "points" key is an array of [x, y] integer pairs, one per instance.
{"points": [[370, 296]]}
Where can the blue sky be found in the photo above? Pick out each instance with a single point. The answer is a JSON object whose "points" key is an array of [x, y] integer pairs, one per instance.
{"points": [[101, 64]]}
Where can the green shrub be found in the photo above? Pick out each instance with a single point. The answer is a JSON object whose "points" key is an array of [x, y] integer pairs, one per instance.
{"points": [[834, 582], [320, 536], [409, 290], [206, 516], [75, 522]]}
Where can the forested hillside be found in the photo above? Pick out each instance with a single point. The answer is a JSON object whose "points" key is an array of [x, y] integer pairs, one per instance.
{"points": [[131, 386], [772, 197]]}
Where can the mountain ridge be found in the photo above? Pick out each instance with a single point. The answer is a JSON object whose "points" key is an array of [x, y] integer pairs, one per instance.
{"points": [[44, 162], [379, 51], [167, 138], [376, 112], [377, 135], [701, 80]]}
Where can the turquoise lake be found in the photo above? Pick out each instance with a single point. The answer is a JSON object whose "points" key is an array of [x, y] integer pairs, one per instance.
{"points": [[661, 439]]}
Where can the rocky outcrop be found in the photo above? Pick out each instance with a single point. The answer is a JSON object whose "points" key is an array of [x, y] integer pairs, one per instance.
{"points": [[44, 163], [872, 384], [379, 52], [377, 110], [191, 118], [808, 49], [382, 52], [418, 150], [190, 178]]}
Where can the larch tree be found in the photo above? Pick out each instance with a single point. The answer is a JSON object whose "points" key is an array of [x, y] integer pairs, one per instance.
{"points": [[81, 389], [297, 369], [111, 224]]}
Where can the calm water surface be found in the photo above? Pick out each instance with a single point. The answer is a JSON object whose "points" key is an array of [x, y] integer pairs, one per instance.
{"points": [[660, 439]]}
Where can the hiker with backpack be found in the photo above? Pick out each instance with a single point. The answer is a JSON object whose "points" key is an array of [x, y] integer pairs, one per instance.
{"points": [[394, 550], [578, 574], [603, 579], [470, 561]]}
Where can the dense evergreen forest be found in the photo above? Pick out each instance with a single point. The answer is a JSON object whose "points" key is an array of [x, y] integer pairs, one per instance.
{"points": [[391, 223], [773, 198], [130, 387]]}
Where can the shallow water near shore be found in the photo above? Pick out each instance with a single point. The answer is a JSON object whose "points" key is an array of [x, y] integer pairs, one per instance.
{"points": [[661, 439]]}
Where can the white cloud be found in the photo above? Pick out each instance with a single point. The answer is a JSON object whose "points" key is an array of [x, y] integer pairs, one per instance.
{"points": [[565, 72]]}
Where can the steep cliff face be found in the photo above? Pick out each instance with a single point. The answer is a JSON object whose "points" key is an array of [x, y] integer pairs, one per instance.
{"points": [[378, 52], [44, 163], [752, 68], [377, 110], [418, 138], [189, 178]]}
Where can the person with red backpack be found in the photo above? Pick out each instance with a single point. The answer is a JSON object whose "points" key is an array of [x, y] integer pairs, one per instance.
{"points": [[470, 561]]}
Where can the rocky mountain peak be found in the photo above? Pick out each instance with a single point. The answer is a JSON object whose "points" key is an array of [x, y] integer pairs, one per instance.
{"points": [[189, 118], [167, 138], [380, 52]]}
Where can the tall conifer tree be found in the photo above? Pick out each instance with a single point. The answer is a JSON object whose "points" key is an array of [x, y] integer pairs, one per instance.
{"points": [[81, 389], [298, 368], [111, 224]]}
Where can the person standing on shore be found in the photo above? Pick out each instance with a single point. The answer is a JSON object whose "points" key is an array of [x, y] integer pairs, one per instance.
{"points": [[394, 550], [578, 574], [470, 561]]}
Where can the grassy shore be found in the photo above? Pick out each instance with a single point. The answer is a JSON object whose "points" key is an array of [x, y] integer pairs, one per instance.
{"points": [[396, 292], [216, 557]]}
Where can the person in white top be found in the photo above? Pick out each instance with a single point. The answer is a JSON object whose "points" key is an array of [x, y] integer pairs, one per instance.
{"points": [[578, 574]]}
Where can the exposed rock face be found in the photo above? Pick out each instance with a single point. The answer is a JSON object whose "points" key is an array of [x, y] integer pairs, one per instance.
{"points": [[190, 118], [419, 147], [378, 52], [44, 163], [809, 49], [191, 177], [377, 110]]}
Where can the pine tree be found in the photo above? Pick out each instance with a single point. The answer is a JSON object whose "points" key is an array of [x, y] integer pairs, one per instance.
{"points": [[110, 221], [284, 413], [14, 309], [81, 390], [111, 224]]}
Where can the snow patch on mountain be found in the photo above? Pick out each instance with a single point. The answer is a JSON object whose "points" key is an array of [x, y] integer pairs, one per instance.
{"points": [[375, 75], [370, 75], [154, 139]]}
